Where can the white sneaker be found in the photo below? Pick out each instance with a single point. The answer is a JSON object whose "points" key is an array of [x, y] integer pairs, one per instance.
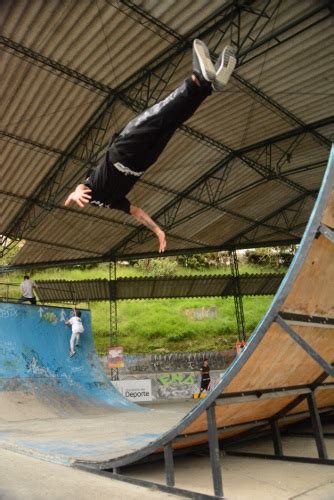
{"points": [[72, 354], [224, 68], [203, 67]]}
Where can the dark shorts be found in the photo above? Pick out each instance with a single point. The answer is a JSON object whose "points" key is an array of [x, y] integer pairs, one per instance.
{"points": [[205, 384]]}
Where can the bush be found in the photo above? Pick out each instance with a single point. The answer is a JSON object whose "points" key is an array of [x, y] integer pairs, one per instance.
{"points": [[274, 256], [204, 260], [158, 267]]}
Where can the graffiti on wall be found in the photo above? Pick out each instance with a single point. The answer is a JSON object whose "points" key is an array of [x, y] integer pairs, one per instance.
{"points": [[179, 385], [171, 378]]}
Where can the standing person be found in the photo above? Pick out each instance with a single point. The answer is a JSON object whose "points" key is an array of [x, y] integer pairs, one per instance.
{"points": [[77, 329], [27, 288], [205, 376], [138, 146]]}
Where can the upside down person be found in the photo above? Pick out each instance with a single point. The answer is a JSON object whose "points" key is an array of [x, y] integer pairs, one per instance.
{"points": [[138, 146]]}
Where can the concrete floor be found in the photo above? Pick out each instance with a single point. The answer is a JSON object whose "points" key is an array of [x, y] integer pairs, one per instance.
{"points": [[255, 479], [26, 478]]}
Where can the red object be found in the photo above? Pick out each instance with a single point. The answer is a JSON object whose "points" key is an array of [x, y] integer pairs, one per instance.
{"points": [[240, 347]]}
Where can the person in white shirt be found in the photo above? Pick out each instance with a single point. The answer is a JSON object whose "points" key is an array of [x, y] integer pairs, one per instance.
{"points": [[27, 286], [77, 329]]}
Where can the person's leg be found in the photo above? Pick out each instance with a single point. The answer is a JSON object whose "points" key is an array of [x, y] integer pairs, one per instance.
{"points": [[142, 141], [33, 301], [22, 299], [205, 384], [77, 339], [72, 343]]}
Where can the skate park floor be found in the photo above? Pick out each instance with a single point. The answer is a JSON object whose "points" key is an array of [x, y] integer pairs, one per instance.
{"points": [[27, 478]]}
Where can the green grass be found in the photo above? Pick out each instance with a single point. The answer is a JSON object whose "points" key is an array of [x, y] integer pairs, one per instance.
{"points": [[161, 325]]}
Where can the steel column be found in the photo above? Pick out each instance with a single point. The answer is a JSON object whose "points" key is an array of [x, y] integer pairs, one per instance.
{"points": [[113, 324], [238, 302], [317, 426], [277, 440], [214, 451], [169, 465]]}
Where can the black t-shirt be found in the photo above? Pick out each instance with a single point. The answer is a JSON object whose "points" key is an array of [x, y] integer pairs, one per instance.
{"points": [[205, 372], [110, 186]]}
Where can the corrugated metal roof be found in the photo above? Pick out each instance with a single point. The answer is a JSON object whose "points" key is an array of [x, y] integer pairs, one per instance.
{"points": [[155, 288], [64, 60]]}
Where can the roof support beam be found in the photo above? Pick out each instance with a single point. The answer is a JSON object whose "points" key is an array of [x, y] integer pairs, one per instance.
{"points": [[144, 255], [75, 212], [167, 215], [229, 12], [89, 143], [236, 240]]}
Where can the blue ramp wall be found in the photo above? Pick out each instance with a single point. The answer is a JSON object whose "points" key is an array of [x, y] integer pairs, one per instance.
{"points": [[34, 356]]}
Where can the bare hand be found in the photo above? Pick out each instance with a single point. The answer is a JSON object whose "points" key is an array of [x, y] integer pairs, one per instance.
{"points": [[162, 241], [81, 196]]}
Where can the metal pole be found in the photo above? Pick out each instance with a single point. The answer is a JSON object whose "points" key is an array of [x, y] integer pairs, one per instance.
{"points": [[238, 303], [214, 451], [277, 441], [113, 327], [169, 465], [317, 426]]}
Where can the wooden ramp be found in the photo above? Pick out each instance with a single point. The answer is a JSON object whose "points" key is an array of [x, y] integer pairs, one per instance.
{"points": [[286, 372]]}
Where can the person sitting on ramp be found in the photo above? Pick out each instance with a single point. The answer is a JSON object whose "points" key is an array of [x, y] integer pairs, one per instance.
{"points": [[139, 144], [77, 329]]}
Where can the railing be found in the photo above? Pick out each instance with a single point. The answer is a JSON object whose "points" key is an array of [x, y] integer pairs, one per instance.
{"points": [[9, 292]]}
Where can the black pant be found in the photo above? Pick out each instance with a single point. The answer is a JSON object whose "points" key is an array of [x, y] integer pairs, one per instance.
{"points": [[205, 382], [32, 300], [142, 141]]}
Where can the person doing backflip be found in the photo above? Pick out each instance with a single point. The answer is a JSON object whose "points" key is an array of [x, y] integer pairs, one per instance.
{"points": [[139, 144]]}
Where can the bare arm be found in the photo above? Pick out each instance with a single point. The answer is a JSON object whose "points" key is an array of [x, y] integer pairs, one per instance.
{"points": [[146, 220], [81, 196]]}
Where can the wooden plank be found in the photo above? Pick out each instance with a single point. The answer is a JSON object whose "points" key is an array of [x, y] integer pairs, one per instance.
{"points": [[279, 362], [313, 290], [237, 414]]}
